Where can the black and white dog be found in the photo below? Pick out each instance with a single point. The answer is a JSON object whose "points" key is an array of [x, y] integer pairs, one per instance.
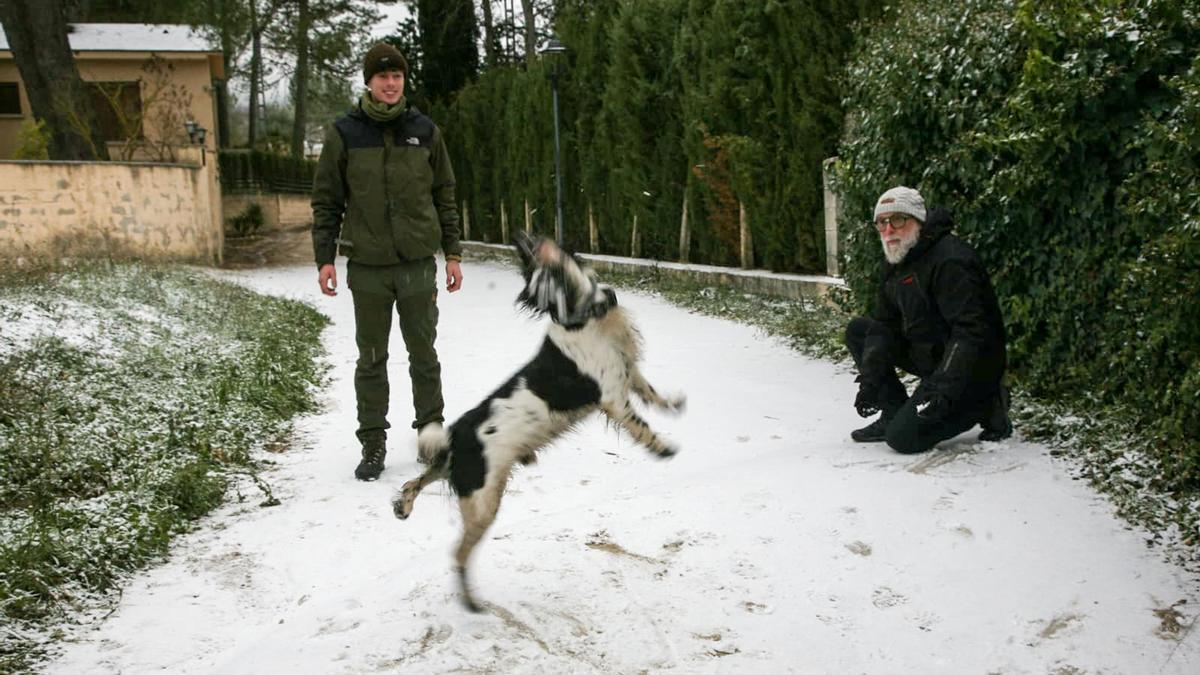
{"points": [[588, 362]]}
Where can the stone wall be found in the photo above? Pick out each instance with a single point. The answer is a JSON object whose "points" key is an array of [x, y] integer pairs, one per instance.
{"points": [[51, 210], [281, 211]]}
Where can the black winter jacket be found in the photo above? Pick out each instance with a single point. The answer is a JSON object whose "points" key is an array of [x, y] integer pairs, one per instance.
{"points": [[940, 300]]}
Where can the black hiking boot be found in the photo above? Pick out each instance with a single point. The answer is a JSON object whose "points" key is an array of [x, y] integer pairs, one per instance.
{"points": [[373, 452], [996, 424], [874, 432]]}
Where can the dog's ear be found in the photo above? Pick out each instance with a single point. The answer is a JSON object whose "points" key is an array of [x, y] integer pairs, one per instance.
{"points": [[526, 245]]}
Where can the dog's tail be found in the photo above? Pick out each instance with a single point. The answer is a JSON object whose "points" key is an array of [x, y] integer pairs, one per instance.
{"points": [[433, 445]]}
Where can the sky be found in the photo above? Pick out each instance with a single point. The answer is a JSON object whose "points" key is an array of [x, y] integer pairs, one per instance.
{"points": [[770, 544], [392, 15]]}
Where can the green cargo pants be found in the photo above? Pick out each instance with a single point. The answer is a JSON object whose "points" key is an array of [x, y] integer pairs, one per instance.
{"points": [[412, 287]]}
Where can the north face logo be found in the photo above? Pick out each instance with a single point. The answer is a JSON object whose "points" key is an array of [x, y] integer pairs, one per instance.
{"points": [[413, 140]]}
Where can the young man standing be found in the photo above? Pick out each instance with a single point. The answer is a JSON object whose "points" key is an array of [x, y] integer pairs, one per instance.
{"points": [[384, 196], [935, 316]]}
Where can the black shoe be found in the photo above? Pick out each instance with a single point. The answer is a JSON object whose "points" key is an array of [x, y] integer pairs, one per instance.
{"points": [[996, 424], [872, 433], [373, 452]]}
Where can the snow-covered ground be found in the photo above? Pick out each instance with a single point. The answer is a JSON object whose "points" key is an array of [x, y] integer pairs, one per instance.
{"points": [[771, 544]]}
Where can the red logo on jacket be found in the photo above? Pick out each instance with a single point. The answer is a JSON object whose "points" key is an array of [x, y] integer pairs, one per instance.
{"points": [[908, 279]]}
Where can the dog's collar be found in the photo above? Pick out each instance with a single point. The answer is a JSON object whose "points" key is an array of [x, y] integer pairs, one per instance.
{"points": [[591, 310]]}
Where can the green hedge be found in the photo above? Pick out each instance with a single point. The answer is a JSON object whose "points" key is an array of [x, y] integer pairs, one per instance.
{"points": [[1066, 137], [254, 170], [721, 100]]}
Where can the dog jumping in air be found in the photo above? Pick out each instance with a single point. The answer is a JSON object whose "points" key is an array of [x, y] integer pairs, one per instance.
{"points": [[588, 362]]}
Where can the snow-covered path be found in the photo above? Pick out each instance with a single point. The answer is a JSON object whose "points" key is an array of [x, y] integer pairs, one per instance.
{"points": [[771, 544]]}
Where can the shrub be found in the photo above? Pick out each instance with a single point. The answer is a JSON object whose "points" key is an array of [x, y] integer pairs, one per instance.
{"points": [[249, 221], [33, 141]]}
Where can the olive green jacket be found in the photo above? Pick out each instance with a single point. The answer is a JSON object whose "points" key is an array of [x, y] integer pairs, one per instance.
{"points": [[384, 191]]}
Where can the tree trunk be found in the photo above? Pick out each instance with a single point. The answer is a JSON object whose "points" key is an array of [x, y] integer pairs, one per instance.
{"points": [[37, 36], [530, 31], [300, 120], [221, 87], [489, 34], [255, 74]]}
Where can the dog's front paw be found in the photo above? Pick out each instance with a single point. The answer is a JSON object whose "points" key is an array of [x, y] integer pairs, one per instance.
{"points": [[675, 403]]}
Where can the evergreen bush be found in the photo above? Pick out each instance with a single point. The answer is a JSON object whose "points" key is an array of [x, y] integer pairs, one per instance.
{"points": [[1064, 135], [724, 101]]}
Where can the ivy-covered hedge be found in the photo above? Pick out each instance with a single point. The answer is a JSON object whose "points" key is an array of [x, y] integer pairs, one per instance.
{"points": [[254, 170], [1066, 137]]}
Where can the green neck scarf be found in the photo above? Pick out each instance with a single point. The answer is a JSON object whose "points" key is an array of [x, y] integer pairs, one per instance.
{"points": [[380, 111]]}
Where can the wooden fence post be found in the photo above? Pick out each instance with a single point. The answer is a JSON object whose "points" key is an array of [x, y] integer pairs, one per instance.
{"points": [[747, 243], [635, 241], [685, 235], [593, 234], [466, 220], [503, 224], [528, 218], [833, 209]]}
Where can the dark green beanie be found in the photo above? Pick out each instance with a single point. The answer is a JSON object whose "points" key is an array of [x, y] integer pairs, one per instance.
{"points": [[383, 57]]}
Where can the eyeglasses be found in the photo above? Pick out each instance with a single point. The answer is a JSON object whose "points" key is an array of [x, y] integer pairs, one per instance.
{"points": [[896, 220]]}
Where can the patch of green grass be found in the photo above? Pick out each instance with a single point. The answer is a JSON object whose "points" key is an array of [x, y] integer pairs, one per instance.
{"points": [[129, 396]]}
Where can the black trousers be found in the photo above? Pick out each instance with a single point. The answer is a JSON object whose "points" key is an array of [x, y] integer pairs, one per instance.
{"points": [[878, 352]]}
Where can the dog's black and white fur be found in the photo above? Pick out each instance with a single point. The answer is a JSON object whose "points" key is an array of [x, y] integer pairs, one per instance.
{"points": [[588, 362]]}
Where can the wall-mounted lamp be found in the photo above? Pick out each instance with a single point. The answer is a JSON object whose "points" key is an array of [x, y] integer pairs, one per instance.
{"points": [[195, 132]]}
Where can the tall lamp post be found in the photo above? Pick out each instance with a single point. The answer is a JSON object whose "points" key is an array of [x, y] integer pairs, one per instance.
{"points": [[555, 49]]}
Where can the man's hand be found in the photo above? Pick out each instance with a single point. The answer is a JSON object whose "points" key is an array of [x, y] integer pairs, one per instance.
{"points": [[865, 402], [454, 277], [327, 278]]}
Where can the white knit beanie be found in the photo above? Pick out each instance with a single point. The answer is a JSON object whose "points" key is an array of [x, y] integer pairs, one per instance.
{"points": [[901, 200]]}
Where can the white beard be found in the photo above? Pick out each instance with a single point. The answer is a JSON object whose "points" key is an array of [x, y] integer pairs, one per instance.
{"points": [[895, 254]]}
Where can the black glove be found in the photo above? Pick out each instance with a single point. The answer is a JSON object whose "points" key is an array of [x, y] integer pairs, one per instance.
{"points": [[867, 400], [931, 405]]}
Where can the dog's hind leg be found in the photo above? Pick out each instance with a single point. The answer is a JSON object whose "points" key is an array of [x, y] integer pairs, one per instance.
{"points": [[629, 420], [674, 403], [478, 513]]}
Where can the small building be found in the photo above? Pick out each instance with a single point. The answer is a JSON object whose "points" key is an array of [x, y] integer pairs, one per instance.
{"points": [[146, 82]]}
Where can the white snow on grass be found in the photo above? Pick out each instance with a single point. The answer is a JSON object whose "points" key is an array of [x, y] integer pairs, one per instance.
{"points": [[771, 544]]}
